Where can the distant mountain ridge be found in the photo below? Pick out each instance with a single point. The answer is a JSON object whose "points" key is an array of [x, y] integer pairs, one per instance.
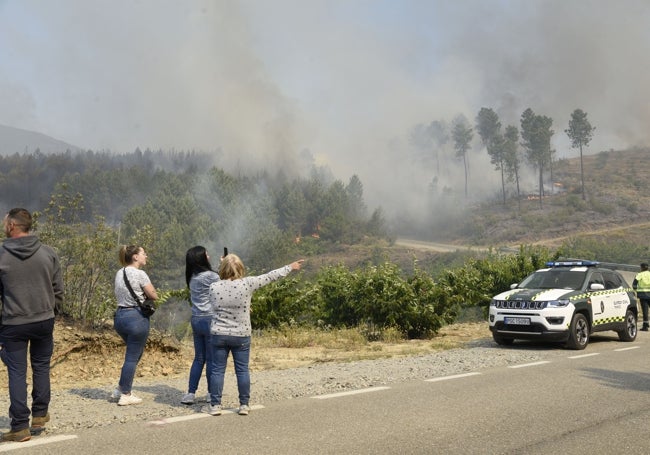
{"points": [[16, 140]]}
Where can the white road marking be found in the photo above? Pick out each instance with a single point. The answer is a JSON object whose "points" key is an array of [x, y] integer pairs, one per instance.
{"points": [[584, 355], [455, 376], [351, 392], [198, 415], [35, 441], [530, 364], [166, 421], [627, 349]]}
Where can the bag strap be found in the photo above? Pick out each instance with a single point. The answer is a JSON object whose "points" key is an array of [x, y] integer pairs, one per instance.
{"points": [[128, 285]]}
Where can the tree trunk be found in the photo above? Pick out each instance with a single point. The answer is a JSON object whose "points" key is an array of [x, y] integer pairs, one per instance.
{"points": [[541, 186], [518, 191], [503, 184], [465, 165], [582, 175]]}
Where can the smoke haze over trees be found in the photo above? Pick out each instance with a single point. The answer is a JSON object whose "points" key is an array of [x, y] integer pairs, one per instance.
{"points": [[341, 82]]}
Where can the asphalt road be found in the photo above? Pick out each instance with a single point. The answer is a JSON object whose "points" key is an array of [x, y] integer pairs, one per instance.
{"points": [[593, 401]]}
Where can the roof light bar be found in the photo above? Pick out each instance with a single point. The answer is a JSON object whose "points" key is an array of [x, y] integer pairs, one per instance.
{"points": [[572, 263]]}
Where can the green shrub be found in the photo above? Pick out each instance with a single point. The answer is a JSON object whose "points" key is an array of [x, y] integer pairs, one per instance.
{"points": [[279, 303]]}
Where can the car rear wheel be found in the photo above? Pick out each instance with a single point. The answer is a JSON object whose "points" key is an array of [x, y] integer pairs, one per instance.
{"points": [[629, 333], [579, 332], [501, 341]]}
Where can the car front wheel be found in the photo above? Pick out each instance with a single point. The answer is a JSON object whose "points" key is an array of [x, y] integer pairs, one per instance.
{"points": [[579, 332]]}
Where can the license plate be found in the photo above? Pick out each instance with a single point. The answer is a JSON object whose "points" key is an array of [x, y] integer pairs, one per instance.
{"points": [[517, 321]]}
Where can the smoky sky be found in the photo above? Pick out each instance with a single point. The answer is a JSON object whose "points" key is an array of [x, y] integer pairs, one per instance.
{"points": [[262, 81]]}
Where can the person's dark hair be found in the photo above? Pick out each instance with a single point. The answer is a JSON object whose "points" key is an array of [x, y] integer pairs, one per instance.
{"points": [[644, 266], [21, 218], [196, 261], [127, 252]]}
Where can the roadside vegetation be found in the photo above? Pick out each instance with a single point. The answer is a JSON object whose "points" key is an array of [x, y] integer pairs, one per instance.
{"points": [[354, 285]]}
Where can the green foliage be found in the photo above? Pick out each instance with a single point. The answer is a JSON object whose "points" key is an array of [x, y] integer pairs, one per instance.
{"points": [[86, 252], [580, 130], [576, 203], [630, 205], [596, 248], [602, 207], [380, 296], [334, 290], [280, 303], [478, 280], [261, 219], [536, 134]]}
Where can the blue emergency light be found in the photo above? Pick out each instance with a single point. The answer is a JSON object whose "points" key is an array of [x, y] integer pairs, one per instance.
{"points": [[572, 263]]}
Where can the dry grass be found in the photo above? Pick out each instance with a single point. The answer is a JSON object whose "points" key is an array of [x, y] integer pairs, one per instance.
{"points": [[297, 347], [616, 202]]}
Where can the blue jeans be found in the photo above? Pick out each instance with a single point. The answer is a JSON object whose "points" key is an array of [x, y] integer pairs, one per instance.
{"points": [[37, 337], [202, 351], [240, 347], [133, 327]]}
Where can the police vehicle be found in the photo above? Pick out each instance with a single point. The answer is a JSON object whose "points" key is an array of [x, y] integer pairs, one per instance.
{"points": [[565, 302]]}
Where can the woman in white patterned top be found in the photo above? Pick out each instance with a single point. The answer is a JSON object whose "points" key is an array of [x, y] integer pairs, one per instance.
{"points": [[231, 326]]}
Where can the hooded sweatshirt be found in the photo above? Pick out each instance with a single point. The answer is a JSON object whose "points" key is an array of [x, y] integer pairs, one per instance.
{"points": [[31, 283]]}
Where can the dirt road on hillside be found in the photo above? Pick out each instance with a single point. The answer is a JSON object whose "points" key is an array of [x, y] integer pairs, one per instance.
{"points": [[433, 246], [554, 242]]}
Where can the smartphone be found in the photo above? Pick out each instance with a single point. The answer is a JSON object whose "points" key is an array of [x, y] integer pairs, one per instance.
{"points": [[225, 251]]}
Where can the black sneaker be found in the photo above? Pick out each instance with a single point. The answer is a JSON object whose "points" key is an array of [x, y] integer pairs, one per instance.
{"points": [[644, 329]]}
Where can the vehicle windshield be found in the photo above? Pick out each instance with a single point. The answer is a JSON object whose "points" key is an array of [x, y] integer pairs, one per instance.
{"points": [[554, 279]]}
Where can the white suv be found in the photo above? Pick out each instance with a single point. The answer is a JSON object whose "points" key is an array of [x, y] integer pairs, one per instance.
{"points": [[565, 302]]}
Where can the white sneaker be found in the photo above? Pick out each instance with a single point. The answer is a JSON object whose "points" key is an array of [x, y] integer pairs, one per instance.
{"points": [[212, 409], [244, 410], [126, 400], [188, 398]]}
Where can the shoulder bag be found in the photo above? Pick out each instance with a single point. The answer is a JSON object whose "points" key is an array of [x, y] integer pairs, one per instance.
{"points": [[147, 307]]}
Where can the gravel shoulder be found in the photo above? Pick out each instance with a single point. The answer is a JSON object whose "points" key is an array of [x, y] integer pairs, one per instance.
{"points": [[88, 406]]}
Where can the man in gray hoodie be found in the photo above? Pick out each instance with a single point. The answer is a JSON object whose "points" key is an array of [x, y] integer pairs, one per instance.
{"points": [[31, 286]]}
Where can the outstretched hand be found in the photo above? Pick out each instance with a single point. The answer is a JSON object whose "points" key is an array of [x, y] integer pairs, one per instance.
{"points": [[297, 264]]}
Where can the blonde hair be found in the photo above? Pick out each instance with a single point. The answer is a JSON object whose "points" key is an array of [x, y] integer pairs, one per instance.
{"points": [[127, 252], [231, 268]]}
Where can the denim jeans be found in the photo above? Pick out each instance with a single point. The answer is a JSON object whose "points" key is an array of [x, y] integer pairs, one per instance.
{"points": [[240, 347], [133, 327], [202, 351], [37, 337]]}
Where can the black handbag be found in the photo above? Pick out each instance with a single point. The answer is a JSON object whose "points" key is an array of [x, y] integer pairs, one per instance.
{"points": [[147, 307]]}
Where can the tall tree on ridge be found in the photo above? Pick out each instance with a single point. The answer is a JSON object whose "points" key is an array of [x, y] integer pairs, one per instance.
{"points": [[580, 132], [536, 134], [511, 156], [462, 134], [489, 129]]}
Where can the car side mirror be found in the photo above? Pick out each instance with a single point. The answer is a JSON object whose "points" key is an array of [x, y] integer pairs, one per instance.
{"points": [[596, 287], [514, 285]]}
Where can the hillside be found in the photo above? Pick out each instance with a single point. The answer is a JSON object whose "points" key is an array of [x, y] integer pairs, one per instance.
{"points": [[16, 140], [617, 205]]}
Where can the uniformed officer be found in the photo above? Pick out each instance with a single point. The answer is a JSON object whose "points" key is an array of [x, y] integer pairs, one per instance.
{"points": [[641, 285]]}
